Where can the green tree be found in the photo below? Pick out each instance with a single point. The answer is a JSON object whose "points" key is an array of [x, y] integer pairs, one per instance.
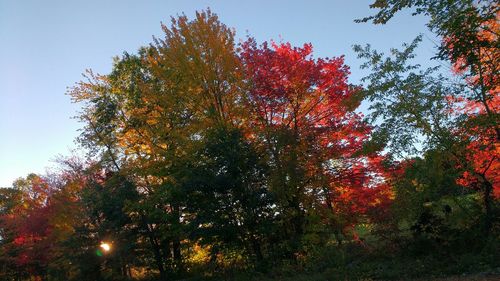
{"points": [[227, 194], [459, 116]]}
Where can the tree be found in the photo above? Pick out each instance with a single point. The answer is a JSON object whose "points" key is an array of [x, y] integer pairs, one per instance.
{"points": [[303, 120], [27, 229], [228, 197], [34, 226], [461, 117], [106, 197], [151, 112]]}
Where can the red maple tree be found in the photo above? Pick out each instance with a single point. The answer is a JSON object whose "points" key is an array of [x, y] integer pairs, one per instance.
{"points": [[313, 102]]}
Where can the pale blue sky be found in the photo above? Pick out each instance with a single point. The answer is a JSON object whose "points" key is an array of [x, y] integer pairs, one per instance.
{"points": [[46, 45]]}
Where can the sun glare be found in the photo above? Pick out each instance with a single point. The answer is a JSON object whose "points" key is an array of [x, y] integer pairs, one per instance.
{"points": [[106, 247]]}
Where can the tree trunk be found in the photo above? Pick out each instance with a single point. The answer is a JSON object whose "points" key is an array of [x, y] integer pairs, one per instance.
{"points": [[257, 249], [158, 259], [156, 249], [176, 246], [176, 243], [488, 222]]}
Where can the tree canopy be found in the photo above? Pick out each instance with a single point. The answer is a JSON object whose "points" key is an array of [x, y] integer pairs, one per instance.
{"points": [[210, 158]]}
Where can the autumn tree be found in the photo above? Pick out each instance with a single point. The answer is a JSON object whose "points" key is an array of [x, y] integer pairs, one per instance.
{"points": [[151, 111], [458, 116], [39, 217], [303, 119], [27, 227]]}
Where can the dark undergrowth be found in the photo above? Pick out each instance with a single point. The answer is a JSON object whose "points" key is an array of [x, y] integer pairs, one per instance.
{"points": [[357, 262]]}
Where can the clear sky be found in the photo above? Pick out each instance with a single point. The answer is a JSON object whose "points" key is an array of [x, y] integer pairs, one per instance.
{"points": [[46, 45]]}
